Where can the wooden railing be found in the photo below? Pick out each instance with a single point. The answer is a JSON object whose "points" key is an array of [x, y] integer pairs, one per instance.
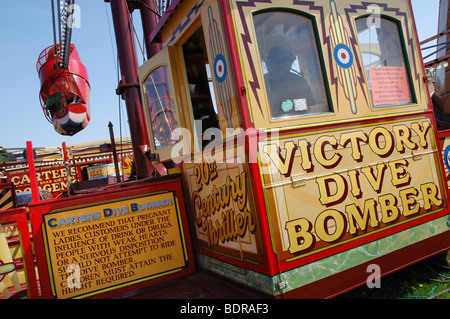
{"points": [[17, 269]]}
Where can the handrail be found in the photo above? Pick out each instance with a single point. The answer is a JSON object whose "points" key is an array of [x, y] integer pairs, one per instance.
{"points": [[19, 217]]}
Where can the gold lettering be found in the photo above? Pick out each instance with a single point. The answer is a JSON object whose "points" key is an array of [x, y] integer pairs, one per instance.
{"points": [[239, 190], [56, 174], [38, 177], [323, 230], [305, 153], [389, 209], [354, 138], [25, 180], [400, 176], [329, 196], [319, 151], [375, 182], [299, 234], [228, 224], [430, 195], [375, 144], [410, 206], [284, 165], [354, 215], [46, 174], [421, 132], [197, 212], [15, 180], [354, 181], [403, 137]]}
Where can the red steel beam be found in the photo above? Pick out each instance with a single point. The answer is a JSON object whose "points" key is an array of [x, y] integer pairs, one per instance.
{"points": [[130, 86]]}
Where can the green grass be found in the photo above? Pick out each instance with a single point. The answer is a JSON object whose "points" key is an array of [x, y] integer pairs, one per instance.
{"points": [[420, 281]]}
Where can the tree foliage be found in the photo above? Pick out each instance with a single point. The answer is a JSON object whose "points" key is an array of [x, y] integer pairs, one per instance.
{"points": [[5, 156]]}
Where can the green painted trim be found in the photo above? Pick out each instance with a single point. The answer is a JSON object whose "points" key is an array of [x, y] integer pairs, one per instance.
{"points": [[298, 277]]}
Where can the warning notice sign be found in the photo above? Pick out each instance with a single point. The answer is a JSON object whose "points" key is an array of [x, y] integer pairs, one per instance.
{"points": [[389, 86], [114, 244]]}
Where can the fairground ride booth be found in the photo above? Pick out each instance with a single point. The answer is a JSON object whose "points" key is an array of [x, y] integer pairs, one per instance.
{"points": [[305, 136]]}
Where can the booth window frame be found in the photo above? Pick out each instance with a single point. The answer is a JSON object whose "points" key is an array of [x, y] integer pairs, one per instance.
{"points": [[296, 120], [405, 57]]}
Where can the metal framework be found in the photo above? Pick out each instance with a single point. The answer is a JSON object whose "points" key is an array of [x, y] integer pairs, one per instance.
{"points": [[65, 16]]}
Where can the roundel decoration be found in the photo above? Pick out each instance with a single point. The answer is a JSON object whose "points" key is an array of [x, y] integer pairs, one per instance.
{"points": [[220, 68], [447, 157], [5, 269], [343, 56]]}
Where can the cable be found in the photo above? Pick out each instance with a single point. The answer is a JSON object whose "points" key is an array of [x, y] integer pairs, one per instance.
{"points": [[145, 5], [439, 294], [437, 264], [116, 67], [111, 40], [54, 29], [435, 272], [137, 37]]}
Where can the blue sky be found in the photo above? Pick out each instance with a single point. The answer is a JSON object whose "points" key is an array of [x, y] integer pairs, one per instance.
{"points": [[26, 30]]}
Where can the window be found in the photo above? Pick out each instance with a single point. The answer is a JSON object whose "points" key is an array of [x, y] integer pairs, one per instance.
{"points": [[384, 62], [289, 56], [161, 107]]}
